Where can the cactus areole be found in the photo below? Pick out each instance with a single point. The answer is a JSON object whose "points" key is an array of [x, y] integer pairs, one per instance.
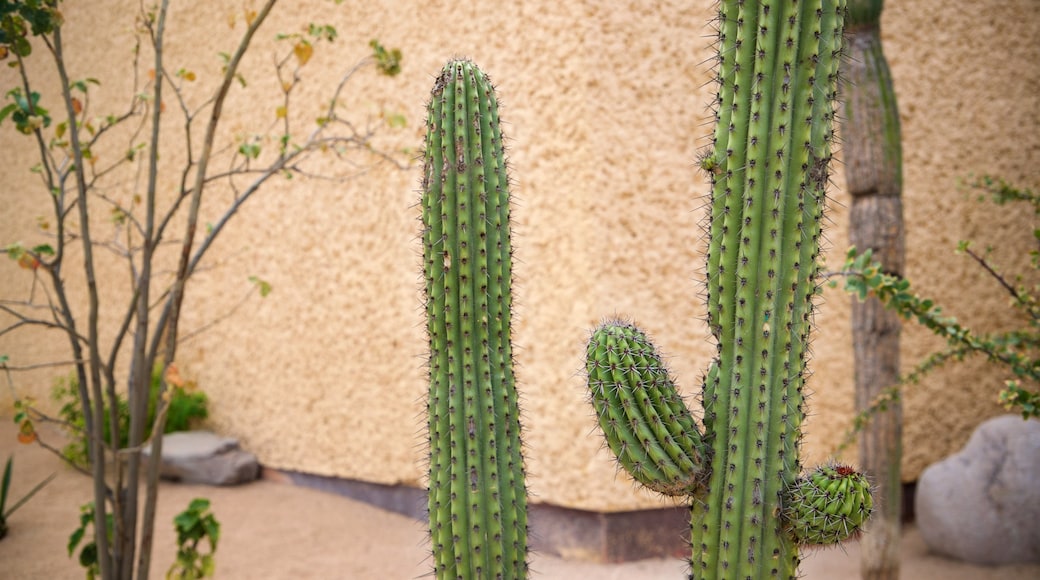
{"points": [[477, 495], [777, 67]]}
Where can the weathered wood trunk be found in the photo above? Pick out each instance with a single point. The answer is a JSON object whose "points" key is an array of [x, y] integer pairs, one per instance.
{"points": [[873, 169]]}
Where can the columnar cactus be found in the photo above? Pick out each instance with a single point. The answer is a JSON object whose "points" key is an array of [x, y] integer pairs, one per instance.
{"points": [[751, 509], [477, 496]]}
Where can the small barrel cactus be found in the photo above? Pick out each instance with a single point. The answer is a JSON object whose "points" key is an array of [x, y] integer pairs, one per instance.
{"points": [[477, 494], [829, 505]]}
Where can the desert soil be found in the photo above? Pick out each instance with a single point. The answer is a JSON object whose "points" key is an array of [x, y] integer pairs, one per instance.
{"points": [[275, 530]]}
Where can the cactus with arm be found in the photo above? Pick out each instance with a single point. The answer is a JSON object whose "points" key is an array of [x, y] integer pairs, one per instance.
{"points": [[777, 80], [477, 495]]}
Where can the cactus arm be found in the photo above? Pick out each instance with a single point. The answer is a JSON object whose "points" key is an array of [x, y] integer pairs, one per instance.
{"points": [[643, 418], [477, 498]]}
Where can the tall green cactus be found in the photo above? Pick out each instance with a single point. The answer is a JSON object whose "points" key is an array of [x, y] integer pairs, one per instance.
{"points": [[751, 507], [477, 497]]}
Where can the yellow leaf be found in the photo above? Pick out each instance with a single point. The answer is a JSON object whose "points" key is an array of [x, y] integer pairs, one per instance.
{"points": [[286, 85], [250, 17], [189, 76], [231, 20], [280, 112], [303, 52]]}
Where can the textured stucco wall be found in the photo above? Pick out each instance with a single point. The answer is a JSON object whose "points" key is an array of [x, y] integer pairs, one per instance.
{"points": [[605, 109]]}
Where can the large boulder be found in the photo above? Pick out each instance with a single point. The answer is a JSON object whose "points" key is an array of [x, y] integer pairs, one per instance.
{"points": [[982, 504], [205, 457]]}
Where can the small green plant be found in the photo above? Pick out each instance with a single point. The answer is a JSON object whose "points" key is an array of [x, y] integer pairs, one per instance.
{"points": [[88, 554], [1017, 350], [187, 406], [5, 486], [194, 525]]}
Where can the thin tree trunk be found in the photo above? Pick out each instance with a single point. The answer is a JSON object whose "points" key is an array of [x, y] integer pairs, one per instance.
{"points": [[873, 169], [96, 434]]}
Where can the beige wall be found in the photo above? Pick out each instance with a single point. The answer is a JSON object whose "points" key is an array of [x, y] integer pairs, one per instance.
{"points": [[605, 109]]}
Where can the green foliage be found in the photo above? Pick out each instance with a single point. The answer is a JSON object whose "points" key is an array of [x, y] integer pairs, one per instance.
{"points": [[1017, 350], [388, 61], [19, 18], [186, 407], [88, 555], [194, 525], [27, 114], [5, 486]]}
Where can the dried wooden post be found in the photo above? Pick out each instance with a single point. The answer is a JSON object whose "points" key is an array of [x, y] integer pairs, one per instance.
{"points": [[873, 170]]}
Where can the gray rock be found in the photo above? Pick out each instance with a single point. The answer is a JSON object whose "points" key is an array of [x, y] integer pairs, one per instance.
{"points": [[982, 504], [205, 457]]}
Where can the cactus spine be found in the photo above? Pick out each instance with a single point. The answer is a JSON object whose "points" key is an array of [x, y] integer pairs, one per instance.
{"points": [[777, 81], [477, 495]]}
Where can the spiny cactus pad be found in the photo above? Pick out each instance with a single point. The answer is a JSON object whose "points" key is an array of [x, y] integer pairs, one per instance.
{"points": [[643, 418], [477, 496], [828, 506]]}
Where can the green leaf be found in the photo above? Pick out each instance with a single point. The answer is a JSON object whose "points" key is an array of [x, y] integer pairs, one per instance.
{"points": [[265, 287], [4, 486], [250, 150], [15, 251], [88, 556], [75, 538], [44, 250], [388, 61], [80, 86], [212, 528], [209, 565], [7, 111]]}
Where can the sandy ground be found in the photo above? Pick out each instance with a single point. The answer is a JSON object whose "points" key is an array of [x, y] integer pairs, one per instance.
{"points": [[278, 531]]}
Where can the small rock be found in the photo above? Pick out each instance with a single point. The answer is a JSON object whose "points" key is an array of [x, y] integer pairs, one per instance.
{"points": [[205, 457], [982, 504]]}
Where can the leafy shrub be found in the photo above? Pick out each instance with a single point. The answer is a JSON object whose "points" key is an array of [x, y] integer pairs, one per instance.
{"points": [[187, 407], [1017, 351]]}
